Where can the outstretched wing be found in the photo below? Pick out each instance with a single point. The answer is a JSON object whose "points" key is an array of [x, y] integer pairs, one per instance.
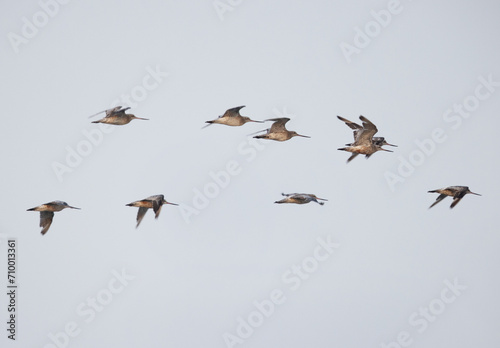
{"points": [[46, 220], [366, 134], [157, 204], [438, 199], [353, 156], [279, 124], [357, 128], [233, 112], [109, 112], [140, 215], [455, 201]]}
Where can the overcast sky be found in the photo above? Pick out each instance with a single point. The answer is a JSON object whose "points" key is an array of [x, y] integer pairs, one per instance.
{"points": [[373, 267]]}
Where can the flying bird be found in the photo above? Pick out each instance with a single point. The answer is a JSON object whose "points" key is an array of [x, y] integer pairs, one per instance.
{"points": [[154, 202], [232, 117], [47, 213], [364, 141], [457, 192], [300, 198], [278, 131], [117, 116]]}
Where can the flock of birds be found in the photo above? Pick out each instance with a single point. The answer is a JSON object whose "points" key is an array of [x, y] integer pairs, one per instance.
{"points": [[364, 143]]}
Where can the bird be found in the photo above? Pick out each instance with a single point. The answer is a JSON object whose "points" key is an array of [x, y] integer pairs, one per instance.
{"points": [[364, 141], [47, 213], [232, 117], [154, 202], [457, 192], [117, 116], [300, 198], [278, 131]]}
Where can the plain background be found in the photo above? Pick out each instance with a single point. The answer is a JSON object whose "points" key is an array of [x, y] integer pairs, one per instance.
{"points": [[194, 280]]}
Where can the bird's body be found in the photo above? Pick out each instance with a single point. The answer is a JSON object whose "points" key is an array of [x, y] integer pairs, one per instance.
{"points": [[47, 213], [278, 131], [457, 192], [153, 202], [364, 141], [117, 116], [300, 198], [232, 117]]}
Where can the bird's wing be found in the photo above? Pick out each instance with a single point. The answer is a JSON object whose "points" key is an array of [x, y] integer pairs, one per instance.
{"points": [[357, 128], [353, 156], [46, 220], [279, 124], [107, 111], [366, 134], [117, 111], [157, 204], [140, 215], [455, 201], [233, 111], [438, 199]]}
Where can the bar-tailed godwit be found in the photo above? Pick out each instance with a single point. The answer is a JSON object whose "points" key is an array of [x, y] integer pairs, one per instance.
{"points": [[117, 116], [232, 117], [364, 142], [300, 198], [47, 213], [154, 202], [278, 131], [457, 192]]}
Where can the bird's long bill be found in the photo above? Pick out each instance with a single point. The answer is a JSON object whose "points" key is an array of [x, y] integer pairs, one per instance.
{"points": [[390, 144], [386, 150], [171, 203], [303, 136], [74, 207], [140, 118], [473, 193], [322, 199]]}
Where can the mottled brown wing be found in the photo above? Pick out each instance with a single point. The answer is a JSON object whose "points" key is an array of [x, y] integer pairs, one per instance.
{"points": [[46, 220], [279, 124], [140, 215], [157, 204], [455, 201], [438, 199], [233, 112], [366, 134]]}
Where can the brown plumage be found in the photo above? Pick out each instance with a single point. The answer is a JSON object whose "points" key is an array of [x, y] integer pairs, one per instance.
{"points": [[232, 117], [47, 213], [154, 202], [117, 116], [457, 192], [278, 131], [300, 198], [364, 141]]}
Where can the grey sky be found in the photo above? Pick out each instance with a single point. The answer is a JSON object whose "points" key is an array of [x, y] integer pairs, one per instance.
{"points": [[195, 275]]}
